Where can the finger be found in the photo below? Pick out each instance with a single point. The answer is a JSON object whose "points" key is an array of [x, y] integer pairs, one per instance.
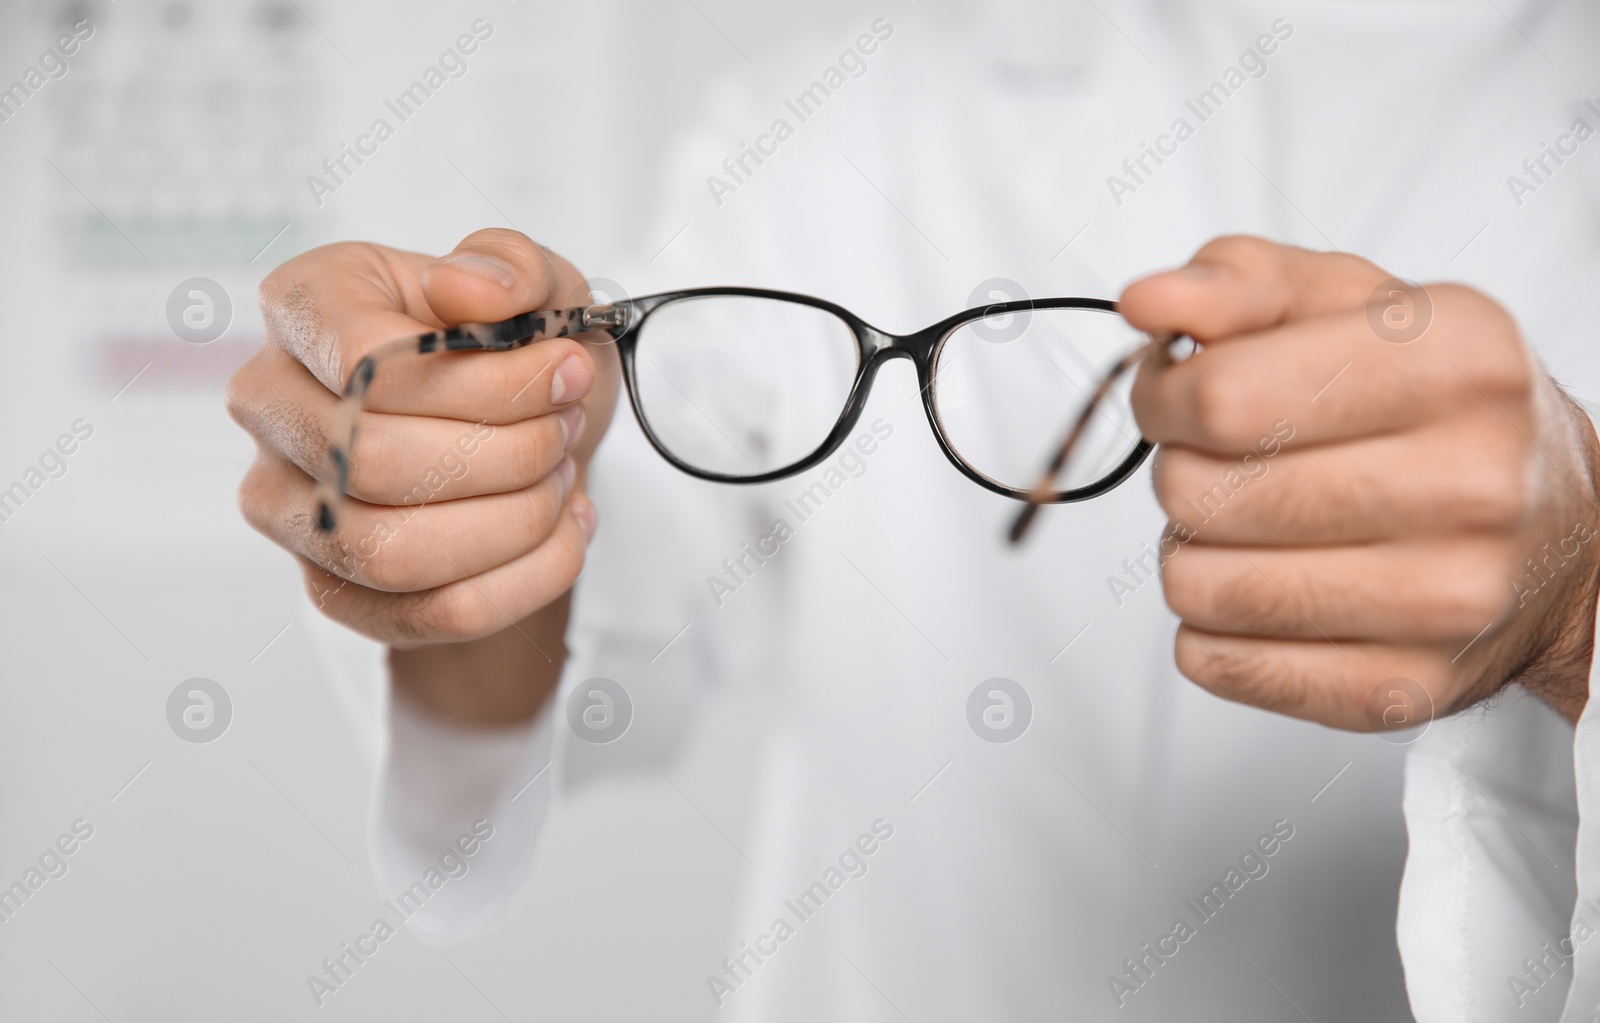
{"points": [[1334, 378], [492, 387], [1463, 476], [330, 307], [494, 274], [396, 459], [403, 549], [1239, 284], [1362, 687], [469, 608], [1438, 593]]}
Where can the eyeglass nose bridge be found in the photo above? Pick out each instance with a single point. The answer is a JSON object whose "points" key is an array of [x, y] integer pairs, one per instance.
{"points": [[878, 346]]}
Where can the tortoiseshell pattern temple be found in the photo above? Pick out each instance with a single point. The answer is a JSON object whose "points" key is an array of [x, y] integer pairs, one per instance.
{"points": [[517, 332]]}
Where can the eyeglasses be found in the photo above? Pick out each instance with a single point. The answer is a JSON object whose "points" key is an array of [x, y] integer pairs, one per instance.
{"points": [[745, 385]]}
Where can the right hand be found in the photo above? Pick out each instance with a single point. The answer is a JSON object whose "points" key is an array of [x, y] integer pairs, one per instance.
{"points": [[466, 510]]}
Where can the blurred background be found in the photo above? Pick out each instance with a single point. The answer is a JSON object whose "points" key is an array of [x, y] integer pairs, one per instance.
{"points": [[173, 144]]}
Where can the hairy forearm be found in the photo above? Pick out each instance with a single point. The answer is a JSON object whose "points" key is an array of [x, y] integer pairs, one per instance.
{"points": [[502, 679]]}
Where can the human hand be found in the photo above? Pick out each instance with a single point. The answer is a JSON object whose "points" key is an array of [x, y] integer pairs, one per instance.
{"points": [[466, 509], [1356, 502]]}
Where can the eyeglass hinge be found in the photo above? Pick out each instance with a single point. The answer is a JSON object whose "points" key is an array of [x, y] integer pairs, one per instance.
{"points": [[605, 316]]}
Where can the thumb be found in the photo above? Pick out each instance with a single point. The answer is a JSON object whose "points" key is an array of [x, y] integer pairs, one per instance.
{"points": [[494, 274]]}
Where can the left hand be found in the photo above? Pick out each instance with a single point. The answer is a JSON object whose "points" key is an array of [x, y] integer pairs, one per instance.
{"points": [[1356, 500]]}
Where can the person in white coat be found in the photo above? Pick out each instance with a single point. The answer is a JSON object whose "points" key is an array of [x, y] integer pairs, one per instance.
{"points": [[1423, 527]]}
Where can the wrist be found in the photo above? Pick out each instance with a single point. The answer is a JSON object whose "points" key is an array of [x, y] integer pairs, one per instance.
{"points": [[503, 679]]}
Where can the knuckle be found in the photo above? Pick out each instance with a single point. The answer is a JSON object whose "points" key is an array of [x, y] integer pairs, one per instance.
{"points": [[540, 506], [251, 497], [1173, 477], [1232, 671], [1512, 373], [1248, 252], [532, 261], [293, 433], [274, 286], [1187, 590], [293, 322], [239, 397], [1487, 341], [1202, 662], [567, 562], [1502, 495], [384, 560], [325, 590], [1475, 595], [1507, 373], [1473, 309], [284, 289], [454, 613], [503, 238], [289, 309], [331, 553]]}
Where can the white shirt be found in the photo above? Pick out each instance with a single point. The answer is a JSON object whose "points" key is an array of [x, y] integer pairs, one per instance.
{"points": [[1020, 877]]}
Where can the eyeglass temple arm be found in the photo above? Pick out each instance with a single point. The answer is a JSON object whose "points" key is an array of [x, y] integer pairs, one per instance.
{"points": [[1159, 347], [517, 332]]}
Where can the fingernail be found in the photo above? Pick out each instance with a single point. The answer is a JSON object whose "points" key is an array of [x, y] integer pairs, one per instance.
{"points": [[571, 426], [571, 381], [588, 518], [566, 469], [486, 267]]}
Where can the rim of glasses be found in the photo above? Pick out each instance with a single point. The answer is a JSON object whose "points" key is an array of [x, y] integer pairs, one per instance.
{"points": [[1113, 478], [874, 347], [619, 322]]}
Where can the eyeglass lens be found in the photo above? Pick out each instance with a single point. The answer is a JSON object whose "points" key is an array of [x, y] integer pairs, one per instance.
{"points": [[741, 386]]}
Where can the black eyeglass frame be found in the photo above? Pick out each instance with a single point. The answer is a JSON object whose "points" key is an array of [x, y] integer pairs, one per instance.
{"points": [[624, 319], [875, 348]]}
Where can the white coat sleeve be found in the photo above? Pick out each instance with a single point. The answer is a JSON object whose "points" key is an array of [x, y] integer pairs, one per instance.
{"points": [[1499, 914], [456, 811], [1583, 1000]]}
